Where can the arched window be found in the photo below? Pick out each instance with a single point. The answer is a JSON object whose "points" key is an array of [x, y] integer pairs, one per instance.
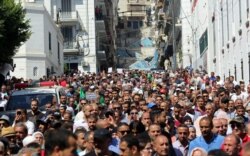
{"points": [[35, 71]]}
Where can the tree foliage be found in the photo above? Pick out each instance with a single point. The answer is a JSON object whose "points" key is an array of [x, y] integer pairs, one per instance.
{"points": [[14, 29]]}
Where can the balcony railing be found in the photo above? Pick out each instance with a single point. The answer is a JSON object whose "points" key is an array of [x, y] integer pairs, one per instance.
{"points": [[137, 2], [69, 45], [69, 16], [136, 11]]}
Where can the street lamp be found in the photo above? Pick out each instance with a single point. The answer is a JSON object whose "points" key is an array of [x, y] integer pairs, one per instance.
{"points": [[83, 43]]}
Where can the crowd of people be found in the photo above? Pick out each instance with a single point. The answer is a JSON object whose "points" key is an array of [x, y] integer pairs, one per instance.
{"points": [[133, 113]]}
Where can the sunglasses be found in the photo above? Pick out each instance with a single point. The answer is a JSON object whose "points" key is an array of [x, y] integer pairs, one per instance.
{"points": [[235, 125], [123, 132], [133, 113], [116, 108]]}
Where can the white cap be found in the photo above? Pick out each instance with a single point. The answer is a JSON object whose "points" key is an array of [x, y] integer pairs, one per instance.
{"points": [[29, 139]]}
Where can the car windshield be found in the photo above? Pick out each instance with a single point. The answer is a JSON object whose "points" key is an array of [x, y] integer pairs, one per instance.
{"points": [[23, 101]]}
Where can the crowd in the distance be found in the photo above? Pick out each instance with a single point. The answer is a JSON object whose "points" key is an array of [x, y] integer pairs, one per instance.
{"points": [[133, 113]]}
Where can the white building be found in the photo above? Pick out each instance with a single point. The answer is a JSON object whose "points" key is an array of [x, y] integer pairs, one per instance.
{"points": [[76, 42], [186, 30], [77, 21], [42, 54], [221, 37]]}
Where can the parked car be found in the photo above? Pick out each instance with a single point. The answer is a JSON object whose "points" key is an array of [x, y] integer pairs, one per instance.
{"points": [[22, 98]]}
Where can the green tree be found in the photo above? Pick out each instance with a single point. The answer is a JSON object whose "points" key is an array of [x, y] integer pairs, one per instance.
{"points": [[14, 29]]}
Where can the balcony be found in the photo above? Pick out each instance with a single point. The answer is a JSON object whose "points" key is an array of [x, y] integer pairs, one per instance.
{"points": [[136, 11], [136, 2], [70, 47]]}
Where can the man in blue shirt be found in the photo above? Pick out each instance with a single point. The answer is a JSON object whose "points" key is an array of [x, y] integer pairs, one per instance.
{"points": [[208, 141]]}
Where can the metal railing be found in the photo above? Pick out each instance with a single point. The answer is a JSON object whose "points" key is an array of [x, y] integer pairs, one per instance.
{"points": [[136, 1], [70, 45], [73, 15]]}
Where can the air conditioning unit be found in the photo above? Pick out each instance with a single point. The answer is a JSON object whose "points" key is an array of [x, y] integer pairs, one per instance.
{"points": [[85, 64]]}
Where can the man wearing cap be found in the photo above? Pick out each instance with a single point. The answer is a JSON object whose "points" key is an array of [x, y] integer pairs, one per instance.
{"points": [[10, 134], [4, 121], [238, 127]]}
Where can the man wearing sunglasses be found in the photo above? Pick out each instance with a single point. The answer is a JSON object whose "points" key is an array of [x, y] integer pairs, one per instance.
{"points": [[238, 126]]}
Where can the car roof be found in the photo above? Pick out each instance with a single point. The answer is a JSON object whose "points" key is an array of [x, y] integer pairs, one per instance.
{"points": [[40, 90]]}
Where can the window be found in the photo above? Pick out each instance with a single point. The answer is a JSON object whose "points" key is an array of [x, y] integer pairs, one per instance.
{"points": [[67, 32], [35, 71], [66, 5], [141, 23], [52, 70], [49, 41], [58, 53], [129, 24], [135, 25]]}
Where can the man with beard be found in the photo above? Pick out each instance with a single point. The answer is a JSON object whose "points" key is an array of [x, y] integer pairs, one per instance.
{"points": [[181, 144], [208, 140], [34, 114], [91, 120]]}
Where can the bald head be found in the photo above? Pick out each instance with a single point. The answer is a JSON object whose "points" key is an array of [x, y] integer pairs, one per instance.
{"points": [[161, 145]]}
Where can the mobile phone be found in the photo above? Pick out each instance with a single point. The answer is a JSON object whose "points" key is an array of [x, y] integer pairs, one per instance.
{"points": [[18, 112], [109, 113]]}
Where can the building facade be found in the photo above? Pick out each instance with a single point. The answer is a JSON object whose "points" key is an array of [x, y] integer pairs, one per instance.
{"points": [[42, 54], [221, 36], [134, 30], [76, 19]]}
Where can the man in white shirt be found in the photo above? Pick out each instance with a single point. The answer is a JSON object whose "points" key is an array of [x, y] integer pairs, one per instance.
{"points": [[21, 116], [4, 97], [81, 117], [239, 94]]}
